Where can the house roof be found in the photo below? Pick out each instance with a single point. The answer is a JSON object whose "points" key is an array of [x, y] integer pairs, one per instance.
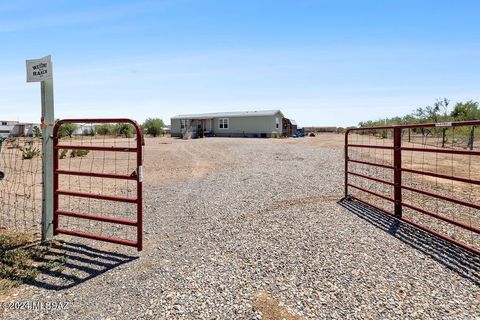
{"points": [[228, 114]]}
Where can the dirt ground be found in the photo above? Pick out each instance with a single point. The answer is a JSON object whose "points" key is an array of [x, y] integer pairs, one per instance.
{"points": [[170, 159], [166, 160]]}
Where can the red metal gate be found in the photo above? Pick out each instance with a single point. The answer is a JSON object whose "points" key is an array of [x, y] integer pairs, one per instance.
{"points": [[427, 175], [100, 159]]}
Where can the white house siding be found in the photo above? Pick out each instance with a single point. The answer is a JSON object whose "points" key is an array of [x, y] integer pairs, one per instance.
{"points": [[84, 129], [6, 126], [248, 127]]}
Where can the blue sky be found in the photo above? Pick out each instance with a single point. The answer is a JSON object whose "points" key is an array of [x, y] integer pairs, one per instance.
{"points": [[321, 62]]}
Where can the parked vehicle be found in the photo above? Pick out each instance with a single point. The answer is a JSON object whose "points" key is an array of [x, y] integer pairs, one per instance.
{"points": [[299, 133]]}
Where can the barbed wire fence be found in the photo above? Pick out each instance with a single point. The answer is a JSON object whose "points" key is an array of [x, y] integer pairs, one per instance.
{"points": [[21, 185]]}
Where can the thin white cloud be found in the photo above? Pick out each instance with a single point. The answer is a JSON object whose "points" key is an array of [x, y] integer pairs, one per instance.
{"points": [[104, 13]]}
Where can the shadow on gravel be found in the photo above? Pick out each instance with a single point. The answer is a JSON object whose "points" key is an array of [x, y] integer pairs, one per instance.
{"points": [[461, 261], [81, 263]]}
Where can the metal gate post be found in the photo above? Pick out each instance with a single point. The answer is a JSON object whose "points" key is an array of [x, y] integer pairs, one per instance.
{"points": [[139, 188], [397, 175], [346, 163]]}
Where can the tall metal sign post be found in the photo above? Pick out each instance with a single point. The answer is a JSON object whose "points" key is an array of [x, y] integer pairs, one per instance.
{"points": [[40, 70]]}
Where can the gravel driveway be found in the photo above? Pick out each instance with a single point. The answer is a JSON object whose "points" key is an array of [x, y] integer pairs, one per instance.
{"points": [[263, 236]]}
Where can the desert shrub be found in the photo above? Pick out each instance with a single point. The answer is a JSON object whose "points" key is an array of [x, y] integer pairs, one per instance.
{"points": [[78, 153], [153, 126], [29, 152], [37, 132], [21, 260], [63, 153]]}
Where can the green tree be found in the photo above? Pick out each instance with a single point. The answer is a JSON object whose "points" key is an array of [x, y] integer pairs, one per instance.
{"points": [[409, 119], [464, 111], [153, 126], [436, 113], [37, 132], [105, 129], [67, 130], [442, 105], [124, 129], [428, 114]]}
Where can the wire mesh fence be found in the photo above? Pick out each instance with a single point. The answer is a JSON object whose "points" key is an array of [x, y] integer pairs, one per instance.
{"points": [[21, 185], [440, 176], [382, 156]]}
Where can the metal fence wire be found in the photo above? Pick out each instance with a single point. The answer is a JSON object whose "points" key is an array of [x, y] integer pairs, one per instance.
{"points": [[21, 184], [427, 175]]}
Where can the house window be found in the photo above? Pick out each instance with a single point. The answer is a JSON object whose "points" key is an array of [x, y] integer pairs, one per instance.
{"points": [[4, 123], [183, 124], [223, 123], [277, 123]]}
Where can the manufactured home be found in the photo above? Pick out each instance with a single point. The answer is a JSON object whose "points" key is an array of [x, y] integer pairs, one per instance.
{"points": [[85, 130], [255, 124], [6, 126], [22, 130]]}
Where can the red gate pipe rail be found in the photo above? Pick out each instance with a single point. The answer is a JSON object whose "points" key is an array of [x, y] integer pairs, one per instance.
{"points": [[372, 164], [438, 196], [442, 176], [99, 175], [95, 196], [449, 151], [432, 214], [370, 178], [135, 176], [370, 146], [98, 237], [398, 186], [97, 218], [371, 192], [95, 148]]}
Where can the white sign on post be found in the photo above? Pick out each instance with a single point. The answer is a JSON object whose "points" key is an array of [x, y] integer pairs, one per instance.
{"points": [[39, 69], [443, 124]]}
